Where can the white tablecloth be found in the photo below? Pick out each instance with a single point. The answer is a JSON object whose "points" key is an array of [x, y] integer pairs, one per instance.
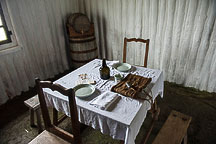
{"points": [[125, 119]]}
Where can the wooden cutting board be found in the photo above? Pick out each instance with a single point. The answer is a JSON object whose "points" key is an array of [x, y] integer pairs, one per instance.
{"points": [[135, 82]]}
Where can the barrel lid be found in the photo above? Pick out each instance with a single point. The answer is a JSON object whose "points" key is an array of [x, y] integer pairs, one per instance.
{"points": [[79, 22]]}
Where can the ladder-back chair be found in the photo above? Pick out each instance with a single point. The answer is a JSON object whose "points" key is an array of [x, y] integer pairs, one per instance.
{"points": [[136, 40], [52, 133]]}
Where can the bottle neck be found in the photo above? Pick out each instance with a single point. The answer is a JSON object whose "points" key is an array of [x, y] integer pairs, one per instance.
{"points": [[104, 63]]}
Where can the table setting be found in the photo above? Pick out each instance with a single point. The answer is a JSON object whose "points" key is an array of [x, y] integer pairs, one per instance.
{"points": [[103, 102]]}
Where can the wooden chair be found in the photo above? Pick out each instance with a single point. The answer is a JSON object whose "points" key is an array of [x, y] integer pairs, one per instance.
{"points": [[53, 134], [136, 40]]}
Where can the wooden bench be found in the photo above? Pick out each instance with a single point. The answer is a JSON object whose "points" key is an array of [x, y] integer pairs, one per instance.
{"points": [[174, 131], [34, 106]]}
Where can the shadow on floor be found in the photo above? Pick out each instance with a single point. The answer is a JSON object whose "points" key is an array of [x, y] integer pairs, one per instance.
{"points": [[14, 122]]}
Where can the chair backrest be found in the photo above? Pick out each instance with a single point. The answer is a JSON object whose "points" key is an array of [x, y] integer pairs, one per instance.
{"points": [[73, 111], [136, 40]]}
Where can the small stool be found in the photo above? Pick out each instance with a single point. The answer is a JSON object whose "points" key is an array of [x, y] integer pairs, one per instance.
{"points": [[174, 131], [34, 106]]}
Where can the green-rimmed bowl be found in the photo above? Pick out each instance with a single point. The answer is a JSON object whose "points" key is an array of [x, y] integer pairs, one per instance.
{"points": [[84, 90], [122, 67]]}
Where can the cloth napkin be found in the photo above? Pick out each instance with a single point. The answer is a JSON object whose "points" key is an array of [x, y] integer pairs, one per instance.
{"points": [[84, 79], [105, 100]]}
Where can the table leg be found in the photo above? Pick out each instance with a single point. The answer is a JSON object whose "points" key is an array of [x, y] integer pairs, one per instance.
{"points": [[55, 116], [56, 119]]}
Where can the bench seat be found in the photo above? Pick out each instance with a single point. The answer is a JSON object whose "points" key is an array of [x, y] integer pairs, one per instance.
{"points": [[174, 131]]}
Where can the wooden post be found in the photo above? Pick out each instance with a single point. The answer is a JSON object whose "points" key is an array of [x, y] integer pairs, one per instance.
{"points": [[39, 121], [31, 111]]}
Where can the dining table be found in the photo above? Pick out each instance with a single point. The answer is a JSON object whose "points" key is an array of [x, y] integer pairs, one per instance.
{"points": [[125, 119]]}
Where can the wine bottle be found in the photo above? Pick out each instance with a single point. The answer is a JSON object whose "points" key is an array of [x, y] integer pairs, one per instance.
{"points": [[104, 70]]}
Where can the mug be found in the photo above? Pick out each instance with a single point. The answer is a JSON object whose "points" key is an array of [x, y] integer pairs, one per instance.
{"points": [[118, 78]]}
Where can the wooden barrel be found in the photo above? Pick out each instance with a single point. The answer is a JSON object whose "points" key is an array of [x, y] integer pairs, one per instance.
{"points": [[79, 22], [82, 50]]}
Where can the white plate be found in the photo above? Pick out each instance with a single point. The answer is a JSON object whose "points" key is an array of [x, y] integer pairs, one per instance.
{"points": [[84, 90], [122, 67]]}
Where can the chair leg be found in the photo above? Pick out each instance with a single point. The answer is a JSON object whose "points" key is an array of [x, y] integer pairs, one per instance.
{"points": [[185, 139], [39, 121], [155, 111], [31, 111], [55, 117], [155, 118]]}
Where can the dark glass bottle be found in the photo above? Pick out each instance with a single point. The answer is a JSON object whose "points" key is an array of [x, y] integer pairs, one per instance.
{"points": [[104, 70]]}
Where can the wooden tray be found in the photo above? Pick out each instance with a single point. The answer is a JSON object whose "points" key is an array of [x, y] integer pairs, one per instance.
{"points": [[136, 84]]}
